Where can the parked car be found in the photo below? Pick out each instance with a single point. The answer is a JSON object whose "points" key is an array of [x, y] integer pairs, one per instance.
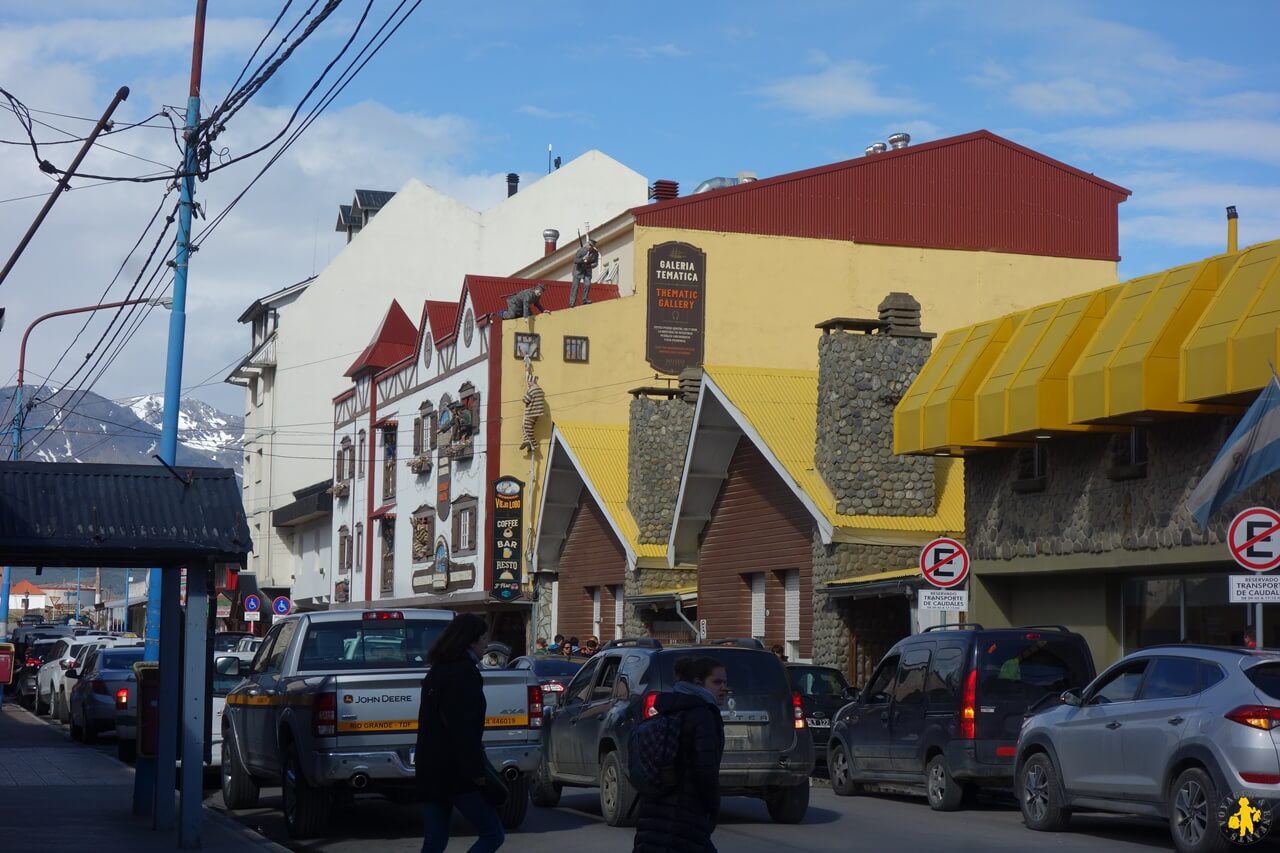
{"points": [[225, 641], [98, 688], [248, 644], [768, 751], [823, 692], [1168, 731], [50, 681], [552, 671], [27, 677], [945, 706]]}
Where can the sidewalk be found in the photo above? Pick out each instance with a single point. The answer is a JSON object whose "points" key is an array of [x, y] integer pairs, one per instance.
{"points": [[60, 796]]}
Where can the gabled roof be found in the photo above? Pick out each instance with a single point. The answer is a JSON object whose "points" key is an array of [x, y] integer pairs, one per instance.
{"points": [[345, 218], [372, 199], [25, 587], [441, 318], [975, 192], [267, 301], [395, 340], [488, 294]]}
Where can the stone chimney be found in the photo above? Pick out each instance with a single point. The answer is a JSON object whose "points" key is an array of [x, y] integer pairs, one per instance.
{"points": [[864, 368], [661, 419]]}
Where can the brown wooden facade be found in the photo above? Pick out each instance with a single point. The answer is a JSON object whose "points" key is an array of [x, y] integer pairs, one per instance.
{"points": [[592, 558], [757, 526]]}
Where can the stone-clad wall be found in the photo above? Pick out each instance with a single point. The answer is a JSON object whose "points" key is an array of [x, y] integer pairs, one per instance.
{"points": [[1082, 511], [844, 560], [659, 437], [649, 580], [860, 380]]}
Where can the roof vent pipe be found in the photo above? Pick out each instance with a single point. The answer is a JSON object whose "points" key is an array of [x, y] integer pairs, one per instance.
{"points": [[513, 184], [876, 148], [664, 190], [549, 238], [1232, 218], [899, 140]]}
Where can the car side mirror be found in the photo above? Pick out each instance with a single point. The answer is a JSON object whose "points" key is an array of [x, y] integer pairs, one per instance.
{"points": [[73, 672], [227, 666], [1072, 698], [851, 694]]}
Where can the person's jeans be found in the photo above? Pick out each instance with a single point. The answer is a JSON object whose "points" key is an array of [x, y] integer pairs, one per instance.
{"points": [[437, 815]]}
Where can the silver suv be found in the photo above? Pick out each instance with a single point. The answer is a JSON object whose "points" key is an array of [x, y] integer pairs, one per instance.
{"points": [[1170, 731]]}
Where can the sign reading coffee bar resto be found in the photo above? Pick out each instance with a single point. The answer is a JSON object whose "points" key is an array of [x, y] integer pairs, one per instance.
{"points": [[677, 313], [508, 539]]}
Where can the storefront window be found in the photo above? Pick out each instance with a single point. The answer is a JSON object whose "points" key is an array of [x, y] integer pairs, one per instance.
{"points": [[1191, 610]]}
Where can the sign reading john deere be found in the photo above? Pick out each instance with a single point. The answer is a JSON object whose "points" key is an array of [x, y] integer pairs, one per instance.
{"points": [[677, 315], [508, 544]]}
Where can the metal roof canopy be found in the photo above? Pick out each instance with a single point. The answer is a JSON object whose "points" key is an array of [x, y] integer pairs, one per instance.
{"points": [[124, 516]]}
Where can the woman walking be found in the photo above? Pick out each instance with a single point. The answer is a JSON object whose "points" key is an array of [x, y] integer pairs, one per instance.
{"points": [[451, 763], [683, 818]]}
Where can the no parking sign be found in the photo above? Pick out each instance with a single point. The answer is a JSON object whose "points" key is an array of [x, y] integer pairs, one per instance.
{"points": [[1254, 539], [944, 563]]}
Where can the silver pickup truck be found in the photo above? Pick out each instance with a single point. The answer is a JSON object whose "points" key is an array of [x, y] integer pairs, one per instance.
{"points": [[329, 709]]}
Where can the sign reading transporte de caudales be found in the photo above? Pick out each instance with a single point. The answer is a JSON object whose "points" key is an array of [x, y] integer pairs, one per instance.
{"points": [[676, 326], [508, 539]]}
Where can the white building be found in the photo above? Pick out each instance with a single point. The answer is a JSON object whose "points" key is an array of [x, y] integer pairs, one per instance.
{"points": [[419, 246]]}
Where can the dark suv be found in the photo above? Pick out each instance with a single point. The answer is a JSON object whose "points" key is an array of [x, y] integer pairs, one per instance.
{"points": [[945, 707], [768, 751], [823, 692]]}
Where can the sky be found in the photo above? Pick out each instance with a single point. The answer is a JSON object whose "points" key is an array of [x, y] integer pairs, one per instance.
{"points": [[1178, 101]]}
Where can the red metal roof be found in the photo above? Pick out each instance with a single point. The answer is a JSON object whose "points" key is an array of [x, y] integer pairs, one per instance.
{"points": [[489, 294], [396, 339], [440, 317], [976, 192], [25, 587]]}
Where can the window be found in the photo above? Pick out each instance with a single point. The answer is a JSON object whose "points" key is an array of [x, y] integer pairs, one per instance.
{"points": [[388, 537], [1027, 668], [344, 549], [428, 347], [942, 686], [432, 427], [791, 613], [595, 611], [1032, 469], [360, 461], [619, 594], [528, 344], [816, 681], [417, 435], [362, 644], [1120, 685], [359, 563], [911, 675], [274, 660], [1128, 455], [576, 348], [607, 680], [388, 463], [342, 470], [880, 689], [423, 522], [464, 525], [580, 686], [757, 605], [468, 328], [1172, 678]]}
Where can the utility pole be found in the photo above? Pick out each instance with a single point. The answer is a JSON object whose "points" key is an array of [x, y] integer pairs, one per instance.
{"points": [[163, 611]]}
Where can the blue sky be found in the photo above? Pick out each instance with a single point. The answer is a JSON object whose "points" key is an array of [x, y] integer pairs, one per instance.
{"points": [[1178, 101]]}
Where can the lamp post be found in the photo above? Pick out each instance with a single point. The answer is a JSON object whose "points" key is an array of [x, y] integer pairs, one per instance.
{"points": [[19, 415]]}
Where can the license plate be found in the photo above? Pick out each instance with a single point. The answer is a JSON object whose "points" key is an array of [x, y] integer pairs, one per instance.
{"points": [[413, 752], [815, 723]]}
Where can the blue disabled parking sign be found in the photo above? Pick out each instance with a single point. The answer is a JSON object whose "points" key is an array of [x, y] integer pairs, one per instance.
{"points": [[281, 606], [252, 604]]}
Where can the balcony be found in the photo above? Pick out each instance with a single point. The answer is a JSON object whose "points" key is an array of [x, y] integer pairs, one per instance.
{"points": [[251, 366]]}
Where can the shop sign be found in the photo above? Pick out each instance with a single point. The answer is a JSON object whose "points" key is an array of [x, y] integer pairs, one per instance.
{"points": [[224, 607], [1255, 589], [1254, 539], [508, 539], [944, 563], [677, 311], [944, 599]]}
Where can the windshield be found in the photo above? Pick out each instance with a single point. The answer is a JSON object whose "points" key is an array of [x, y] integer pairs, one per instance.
{"points": [[226, 642], [369, 644], [750, 672], [552, 668], [1027, 668], [816, 681], [123, 659]]}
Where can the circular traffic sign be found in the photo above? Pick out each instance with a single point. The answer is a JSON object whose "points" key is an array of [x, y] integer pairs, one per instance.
{"points": [[1254, 539], [281, 605], [944, 563], [252, 604]]}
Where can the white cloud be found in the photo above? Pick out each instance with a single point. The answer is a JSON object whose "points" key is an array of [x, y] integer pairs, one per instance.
{"points": [[97, 40], [841, 90], [1247, 104], [668, 50], [992, 74], [1239, 139], [551, 115], [1070, 95]]}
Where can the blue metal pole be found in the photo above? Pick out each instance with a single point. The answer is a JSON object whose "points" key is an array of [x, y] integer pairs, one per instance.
{"points": [[6, 585], [77, 595]]}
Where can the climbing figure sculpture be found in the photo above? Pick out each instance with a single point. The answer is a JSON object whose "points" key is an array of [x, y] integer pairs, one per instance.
{"points": [[535, 406], [521, 304], [585, 261]]}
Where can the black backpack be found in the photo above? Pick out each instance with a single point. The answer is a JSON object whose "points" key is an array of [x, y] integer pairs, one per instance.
{"points": [[652, 747]]}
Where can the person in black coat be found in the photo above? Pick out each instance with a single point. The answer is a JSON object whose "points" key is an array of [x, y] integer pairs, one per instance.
{"points": [[450, 760], [682, 819]]}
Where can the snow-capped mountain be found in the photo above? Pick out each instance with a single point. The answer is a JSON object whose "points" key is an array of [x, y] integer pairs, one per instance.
{"points": [[61, 426]]}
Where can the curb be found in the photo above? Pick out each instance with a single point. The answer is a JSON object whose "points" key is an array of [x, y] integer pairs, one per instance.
{"points": [[243, 833]]}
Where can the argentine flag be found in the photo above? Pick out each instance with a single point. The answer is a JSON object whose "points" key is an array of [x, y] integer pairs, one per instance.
{"points": [[1251, 453]]}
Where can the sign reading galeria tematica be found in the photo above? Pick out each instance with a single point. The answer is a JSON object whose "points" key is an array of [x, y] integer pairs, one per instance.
{"points": [[944, 599]]}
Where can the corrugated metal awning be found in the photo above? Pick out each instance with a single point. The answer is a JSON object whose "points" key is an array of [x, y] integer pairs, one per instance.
{"points": [[686, 595], [875, 585]]}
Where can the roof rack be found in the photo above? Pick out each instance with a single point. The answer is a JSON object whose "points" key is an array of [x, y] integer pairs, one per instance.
{"points": [[973, 626], [632, 643], [743, 642], [1209, 646], [1063, 628]]}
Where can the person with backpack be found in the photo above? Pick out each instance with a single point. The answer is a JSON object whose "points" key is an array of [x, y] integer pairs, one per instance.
{"points": [[451, 768], [675, 762]]}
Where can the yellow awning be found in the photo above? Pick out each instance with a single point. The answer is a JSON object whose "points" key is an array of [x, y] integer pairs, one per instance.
{"points": [[908, 417], [877, 577], [1231, 350], [949, 415]]}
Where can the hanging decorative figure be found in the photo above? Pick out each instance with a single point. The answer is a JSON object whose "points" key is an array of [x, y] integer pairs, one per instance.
{"points": [[535, 406]]}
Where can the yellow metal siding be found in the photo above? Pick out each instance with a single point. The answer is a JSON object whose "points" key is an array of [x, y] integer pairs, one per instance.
{"points": [[908, 417], [949, 416], [602, 452], [992, 397], [1088, 382]]}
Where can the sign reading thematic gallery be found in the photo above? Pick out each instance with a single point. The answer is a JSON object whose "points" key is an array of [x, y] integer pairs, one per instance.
{"points": [[677, 314], [508, 539]]}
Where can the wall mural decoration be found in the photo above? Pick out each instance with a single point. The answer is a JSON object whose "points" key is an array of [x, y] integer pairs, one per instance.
{"points": [[457, 423]]}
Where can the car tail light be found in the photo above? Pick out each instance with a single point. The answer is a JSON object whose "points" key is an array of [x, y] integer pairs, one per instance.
{"points": [[99, 686], [969, 706], [1005, 751], [797, 710], [383, 615], [535, 706], [122, 697], [1261, 778], [324, 715], [33, 662], [1032, 635], [1256, 716], [649, 710]]}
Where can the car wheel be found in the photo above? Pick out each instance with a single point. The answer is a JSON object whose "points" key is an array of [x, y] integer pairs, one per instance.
{"points": [[840, 770], [306, 808], [1040, 797], [239, 789], [513, 811], [1193, 814], [90, 733], [60, 709], [617, 797], [944, 792], [543, 792], [126, 749], [42, 707], [788, 805]]}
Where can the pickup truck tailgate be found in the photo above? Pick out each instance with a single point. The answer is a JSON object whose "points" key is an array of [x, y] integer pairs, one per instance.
{"points": [[373, 705]]}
